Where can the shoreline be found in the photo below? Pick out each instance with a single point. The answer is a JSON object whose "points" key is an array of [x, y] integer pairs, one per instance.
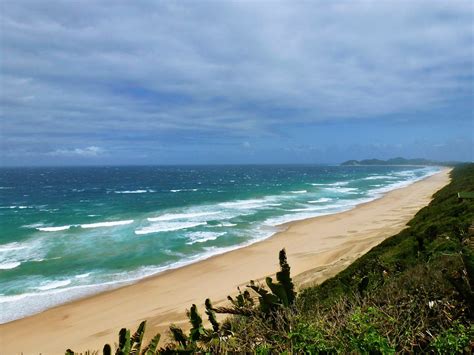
{"points": [[58, 297], [317, 248]]}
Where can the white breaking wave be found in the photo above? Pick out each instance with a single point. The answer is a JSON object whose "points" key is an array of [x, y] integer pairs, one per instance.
{"points": [[247, 204], [399, 184], [379, 177], [299, 192], [53, 229], [9, 265], [227, 224], [338, 183], [201, 237], [82, 276], [53, 285], [11, 247], [107, 224], [86, 226], [315, 211], [133, 191], [309, 208], [19, 207], [174, 216], [33, 225], [15, 253], [350, 190], [321, 200], [168, 227], [407, 173]]}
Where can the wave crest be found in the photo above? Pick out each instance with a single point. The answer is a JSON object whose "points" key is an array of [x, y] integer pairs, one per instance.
{"points": [[168, 227]]}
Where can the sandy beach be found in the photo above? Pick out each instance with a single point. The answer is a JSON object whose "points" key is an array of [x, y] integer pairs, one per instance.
{"points": [[317, 248]]}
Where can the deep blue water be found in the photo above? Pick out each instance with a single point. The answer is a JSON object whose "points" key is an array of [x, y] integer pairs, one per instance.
{"points": [[69, 232]]}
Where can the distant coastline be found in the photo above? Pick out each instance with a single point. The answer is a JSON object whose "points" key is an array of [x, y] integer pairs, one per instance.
{"points": [[397, 162]]}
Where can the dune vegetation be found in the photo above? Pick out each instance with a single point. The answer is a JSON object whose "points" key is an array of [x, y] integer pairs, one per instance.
{"points": [[411, 293]]}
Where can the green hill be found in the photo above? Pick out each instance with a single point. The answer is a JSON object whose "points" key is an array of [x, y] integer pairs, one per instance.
{"points": [[395, 161]]}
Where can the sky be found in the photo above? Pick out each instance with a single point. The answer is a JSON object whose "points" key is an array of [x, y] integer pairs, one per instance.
{"points": [[235, 82]]}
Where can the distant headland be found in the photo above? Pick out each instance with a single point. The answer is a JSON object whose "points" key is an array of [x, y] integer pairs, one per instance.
{"points": [[397, 161]]}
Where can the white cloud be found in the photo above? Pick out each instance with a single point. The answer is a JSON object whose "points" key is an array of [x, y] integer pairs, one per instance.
{"points": [[91, 151]]}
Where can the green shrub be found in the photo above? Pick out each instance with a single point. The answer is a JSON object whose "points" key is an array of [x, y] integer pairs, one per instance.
{"points": [[363, 334], [457, 339], [307, 339]]}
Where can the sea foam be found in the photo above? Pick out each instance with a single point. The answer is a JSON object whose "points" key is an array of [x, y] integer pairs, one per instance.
{"points": [[107, 224], [380, 177], [9, 265], [201, 237], [11, 247], [53, 229], [167, 227], [321, 200], [53, 285], [342, 190], [133, 191], [247, 204], [174, 216]]}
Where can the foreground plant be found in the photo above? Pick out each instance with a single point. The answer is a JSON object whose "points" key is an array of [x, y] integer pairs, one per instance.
{"points": [[215, 339]]}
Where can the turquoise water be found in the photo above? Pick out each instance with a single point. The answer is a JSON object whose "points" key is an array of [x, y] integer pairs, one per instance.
{"points": [[70, 232]]}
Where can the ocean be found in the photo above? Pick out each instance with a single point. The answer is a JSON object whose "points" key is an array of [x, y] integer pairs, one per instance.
{"points": [[70, 232]]}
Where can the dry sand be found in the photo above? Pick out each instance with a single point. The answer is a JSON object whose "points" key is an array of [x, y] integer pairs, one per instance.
{"points": [[317, 248]]}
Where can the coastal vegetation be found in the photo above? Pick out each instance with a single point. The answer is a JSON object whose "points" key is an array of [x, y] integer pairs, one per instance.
{"points": [[414, 292]]}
